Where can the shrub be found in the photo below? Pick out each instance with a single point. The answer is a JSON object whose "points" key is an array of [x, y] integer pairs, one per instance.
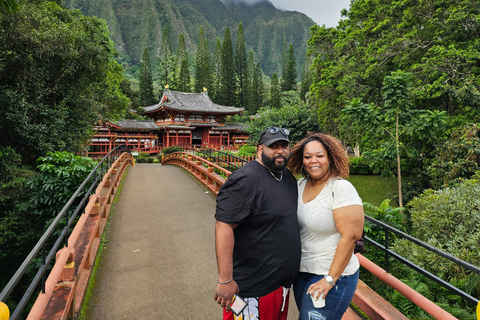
{"points": [[360, 165], [458, 158], [142, 160], [171, 149], [447, 219], [247, 150], [143, 155]]}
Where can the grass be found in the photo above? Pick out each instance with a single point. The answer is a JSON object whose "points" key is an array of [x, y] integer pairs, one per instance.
{"points": [[375, 188]]}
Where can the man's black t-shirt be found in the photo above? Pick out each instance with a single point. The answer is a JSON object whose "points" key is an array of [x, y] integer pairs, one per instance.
{"points": [[267, 247]]}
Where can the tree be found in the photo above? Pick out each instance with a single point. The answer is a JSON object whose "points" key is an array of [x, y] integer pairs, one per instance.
{"points": [[184, 77], [284, 63], [203, 65], [290, 75], [376, 38], [394, 129], [249, 88], [306, 78], [55, 85], [241, 67], [217, 71], [181, 55], [227, 72], [259, 88], [9, 5], [166, 60], [274, 92], [147, 97], [298, 119]]}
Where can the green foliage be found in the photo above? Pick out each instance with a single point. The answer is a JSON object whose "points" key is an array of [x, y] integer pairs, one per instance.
{"points": [[385, 213], [241, 67], [359, 165], [9, 5], [203, 64], [60, 175], [448, 219], [171, 150], [227, 72], [147, 97], [289, 74], [265, 38], [275, 92], [247, 150], [437, 42], [457, 159], [13, 176], [57, 77], [298, 119]]}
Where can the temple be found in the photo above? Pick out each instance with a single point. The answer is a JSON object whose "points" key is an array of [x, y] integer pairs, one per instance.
{"points": [[179, 118]]}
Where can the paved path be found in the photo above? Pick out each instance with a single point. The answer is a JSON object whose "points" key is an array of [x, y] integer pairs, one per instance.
{"points": [[159, 261]]}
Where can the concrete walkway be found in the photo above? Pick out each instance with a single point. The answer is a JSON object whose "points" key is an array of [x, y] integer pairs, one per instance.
{"points": [[159, 261]]}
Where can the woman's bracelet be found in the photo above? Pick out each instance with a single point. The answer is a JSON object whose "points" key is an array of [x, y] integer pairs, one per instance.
{"points": [[225, 281]]}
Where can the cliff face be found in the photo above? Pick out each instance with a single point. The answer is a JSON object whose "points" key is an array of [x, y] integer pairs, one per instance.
{"points": [[137, 24]]}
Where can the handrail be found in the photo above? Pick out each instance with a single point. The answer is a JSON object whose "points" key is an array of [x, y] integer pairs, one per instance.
{"points": [[417, 268], [200, 150], [96, 174]]}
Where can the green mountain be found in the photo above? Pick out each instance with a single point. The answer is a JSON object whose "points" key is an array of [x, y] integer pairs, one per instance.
{"points": [[137, 24]]}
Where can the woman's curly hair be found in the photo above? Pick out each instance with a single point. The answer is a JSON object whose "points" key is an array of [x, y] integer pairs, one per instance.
{"points": [[335, 151]]}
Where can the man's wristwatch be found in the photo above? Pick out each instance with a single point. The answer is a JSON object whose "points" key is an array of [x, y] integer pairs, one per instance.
{"points": [[329, 280]]}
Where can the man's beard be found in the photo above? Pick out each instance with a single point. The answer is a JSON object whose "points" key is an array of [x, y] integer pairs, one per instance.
{"points": [[270, 162]]}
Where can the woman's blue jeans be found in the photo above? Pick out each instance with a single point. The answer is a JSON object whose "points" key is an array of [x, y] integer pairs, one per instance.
{"points": [[336, 303]]}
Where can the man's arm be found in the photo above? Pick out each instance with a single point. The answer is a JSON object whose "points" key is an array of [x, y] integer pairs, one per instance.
{"points": [[224, 242]]}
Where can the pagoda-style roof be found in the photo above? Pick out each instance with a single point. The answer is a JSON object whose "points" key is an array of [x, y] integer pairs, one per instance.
{"points": [[137, 124], [238, 127], [190, 103]]}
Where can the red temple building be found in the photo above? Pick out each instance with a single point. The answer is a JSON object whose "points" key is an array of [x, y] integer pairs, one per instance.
{"points": [[179, 118]]}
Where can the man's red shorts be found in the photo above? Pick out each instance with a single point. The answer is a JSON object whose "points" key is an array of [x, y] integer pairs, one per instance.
{"points": [[273, 306]]}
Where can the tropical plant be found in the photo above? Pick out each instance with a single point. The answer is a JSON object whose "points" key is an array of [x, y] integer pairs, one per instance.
{"points": [[298, 119]]}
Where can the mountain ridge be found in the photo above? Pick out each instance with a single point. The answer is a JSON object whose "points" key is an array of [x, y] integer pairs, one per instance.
{"points": [[135, 25]]}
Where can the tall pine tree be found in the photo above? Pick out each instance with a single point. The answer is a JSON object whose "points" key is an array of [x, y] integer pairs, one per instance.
{"points": [[184, 77], [259, 88], [179, 58], [241, 66], [203, 65], [289, 78], [217, 70], [227, 74], [166, 59], [284, 64], [274, 92], [147, 97], [249, 88]]}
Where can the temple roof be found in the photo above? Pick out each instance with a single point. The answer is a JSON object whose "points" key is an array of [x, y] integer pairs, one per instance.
{"points": [[138, 124], [190, 102]]}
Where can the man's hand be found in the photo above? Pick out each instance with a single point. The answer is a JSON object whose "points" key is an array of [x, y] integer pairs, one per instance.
{"points": [[224, 294]]}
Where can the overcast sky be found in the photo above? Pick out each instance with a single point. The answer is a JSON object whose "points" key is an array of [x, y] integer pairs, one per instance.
{"points": [[325, 12]]}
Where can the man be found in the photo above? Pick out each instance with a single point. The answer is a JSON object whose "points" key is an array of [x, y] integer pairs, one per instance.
{"points": [[256, 232]]}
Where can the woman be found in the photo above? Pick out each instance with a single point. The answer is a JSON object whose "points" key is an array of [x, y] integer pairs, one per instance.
{"points": [[331, 218]]}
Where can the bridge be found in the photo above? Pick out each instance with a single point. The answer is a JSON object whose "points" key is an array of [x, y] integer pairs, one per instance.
{"points": [[157, 256]]}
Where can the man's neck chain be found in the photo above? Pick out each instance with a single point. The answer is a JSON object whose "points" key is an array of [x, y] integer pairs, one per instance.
{"points": [[278, 179]]}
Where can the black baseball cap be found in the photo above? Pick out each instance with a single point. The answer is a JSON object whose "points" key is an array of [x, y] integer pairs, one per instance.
{"points": [[273, 134]]}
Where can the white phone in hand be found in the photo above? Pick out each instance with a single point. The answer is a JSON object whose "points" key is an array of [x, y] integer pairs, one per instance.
{"points": [[318, 301], [238, 304]]}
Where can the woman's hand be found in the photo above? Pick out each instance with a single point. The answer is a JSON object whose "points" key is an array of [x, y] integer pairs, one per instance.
{"points": [[224, 294], [322, 286]]}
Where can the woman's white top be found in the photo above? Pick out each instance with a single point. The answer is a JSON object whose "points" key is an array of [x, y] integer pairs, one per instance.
{"points": [[318, 233]]}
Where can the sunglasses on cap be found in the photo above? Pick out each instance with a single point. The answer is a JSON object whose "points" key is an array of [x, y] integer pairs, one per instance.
{"points": [[275, 130]]}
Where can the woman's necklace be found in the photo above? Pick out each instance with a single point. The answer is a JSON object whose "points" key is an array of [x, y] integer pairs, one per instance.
{"points": [[281, 175]]}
